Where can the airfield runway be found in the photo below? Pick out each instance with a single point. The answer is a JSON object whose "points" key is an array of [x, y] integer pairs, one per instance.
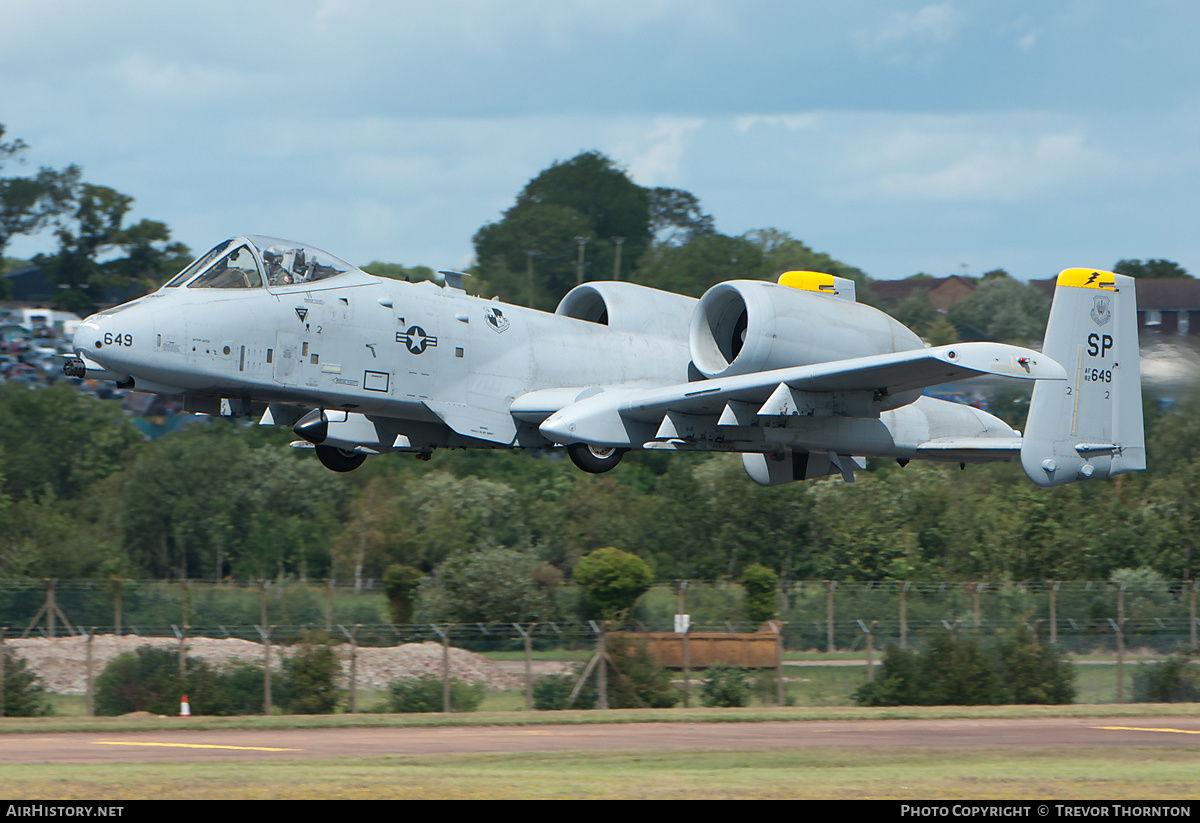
{"points": [[318, 743]]}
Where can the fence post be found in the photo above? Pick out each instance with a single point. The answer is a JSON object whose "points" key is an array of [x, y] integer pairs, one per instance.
{"points": [[1117, 630], [1054, 584], [869, 631], [1192, 612], [1121, 644], [528, 637], [445, 635], [329, 605], [353, 638], [830, 586], [683, 627], [91, 683], [264, 632], [182, 638], [117, 596], [904, 614]]}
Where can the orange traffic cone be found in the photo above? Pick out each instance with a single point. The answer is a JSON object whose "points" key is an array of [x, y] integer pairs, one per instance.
{"points": [[184, 709]]}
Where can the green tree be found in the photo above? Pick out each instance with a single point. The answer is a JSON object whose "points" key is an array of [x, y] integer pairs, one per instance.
{"points": [[586, 197], [782, 252], [310, 674], [1004, 310], [57, 440], [697, 266], [613, 581], [492, 585], [258, 512], [400, 584], [1151, 269], [676, 217], [29, 203], [762, 592], [24, 691], [144, 257]]}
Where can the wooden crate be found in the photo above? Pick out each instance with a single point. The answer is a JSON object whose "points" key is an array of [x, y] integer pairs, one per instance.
{"points": [[758, 650]]}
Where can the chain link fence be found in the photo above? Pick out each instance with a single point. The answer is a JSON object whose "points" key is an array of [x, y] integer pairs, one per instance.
{"points": [[825, 616]]}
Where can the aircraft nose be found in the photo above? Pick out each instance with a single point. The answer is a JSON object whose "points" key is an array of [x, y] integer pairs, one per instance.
{"points": [[87, 335]]}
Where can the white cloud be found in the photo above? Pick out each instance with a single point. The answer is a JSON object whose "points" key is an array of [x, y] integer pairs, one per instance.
{"points": [[661, 162], [175, 82], [929, 24], [966, 158], [791, 122]]}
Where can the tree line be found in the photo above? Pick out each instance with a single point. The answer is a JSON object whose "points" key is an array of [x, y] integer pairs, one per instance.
{"points": [[82, 495]]}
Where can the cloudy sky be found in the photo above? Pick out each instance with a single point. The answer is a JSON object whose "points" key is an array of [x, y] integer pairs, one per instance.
{"points": [[897, 136]]}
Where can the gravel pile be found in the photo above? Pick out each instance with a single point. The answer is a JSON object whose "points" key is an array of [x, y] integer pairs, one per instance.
{"points": [[62, 662]]}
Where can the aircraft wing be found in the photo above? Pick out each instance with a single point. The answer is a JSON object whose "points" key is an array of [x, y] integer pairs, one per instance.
{"points": [[852, 387]]}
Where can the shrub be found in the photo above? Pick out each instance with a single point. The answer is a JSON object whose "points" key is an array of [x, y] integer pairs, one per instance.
{"points": [[550, 693], [640, 681], [238, 690], [762, 589], [1174, 680], [962, 673], [147, 680], [424, 694], [725, 686], [310, 675], [24, 691]]}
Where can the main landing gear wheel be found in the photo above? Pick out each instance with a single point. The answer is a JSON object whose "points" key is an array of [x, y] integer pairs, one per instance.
{"points": [[339, 460], [593, 459]]}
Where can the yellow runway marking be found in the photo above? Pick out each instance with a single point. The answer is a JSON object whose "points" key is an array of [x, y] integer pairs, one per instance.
{"points": [[1136, 729], [193, 746]]}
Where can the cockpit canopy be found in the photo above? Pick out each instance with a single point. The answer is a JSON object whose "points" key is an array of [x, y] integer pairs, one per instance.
{"points": [[251, 261]]}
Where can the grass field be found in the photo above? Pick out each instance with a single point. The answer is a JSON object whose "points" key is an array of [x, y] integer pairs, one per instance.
{"points": [[929, 774], [816, 692]]}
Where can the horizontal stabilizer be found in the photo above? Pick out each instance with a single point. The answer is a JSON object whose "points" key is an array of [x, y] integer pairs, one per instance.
{"points": [[970, 449]]}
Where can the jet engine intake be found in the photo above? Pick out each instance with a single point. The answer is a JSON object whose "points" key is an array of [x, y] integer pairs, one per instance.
{"points": [[629, 307], [746, 326]]}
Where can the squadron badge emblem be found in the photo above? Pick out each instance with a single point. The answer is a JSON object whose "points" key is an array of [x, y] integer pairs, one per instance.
{"points": [[496, 319]]}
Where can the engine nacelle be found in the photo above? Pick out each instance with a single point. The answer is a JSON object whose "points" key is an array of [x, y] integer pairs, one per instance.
{"points": [[745, 326], [630, 307]]}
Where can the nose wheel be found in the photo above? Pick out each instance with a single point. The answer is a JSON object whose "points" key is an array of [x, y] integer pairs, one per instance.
{"points": [[339, 460], [594, 459]]}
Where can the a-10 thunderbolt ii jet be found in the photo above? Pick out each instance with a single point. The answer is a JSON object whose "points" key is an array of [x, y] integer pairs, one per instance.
{"points": [[796, 376]]}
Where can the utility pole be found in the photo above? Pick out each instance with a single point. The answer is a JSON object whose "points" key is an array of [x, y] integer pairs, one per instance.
{"points": [[618, 242], [582, 241], [529, 253]]}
